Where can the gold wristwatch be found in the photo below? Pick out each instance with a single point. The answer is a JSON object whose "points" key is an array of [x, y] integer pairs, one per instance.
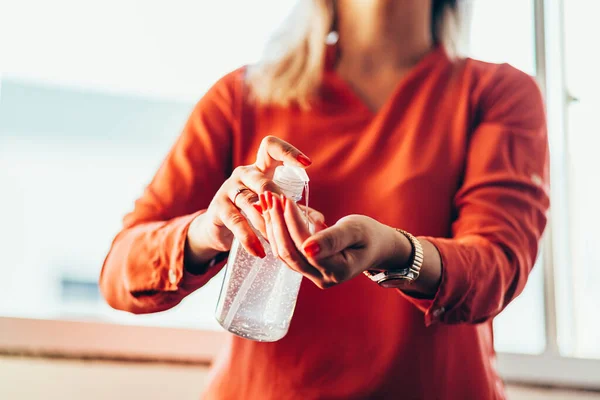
{"points": [[396, 278]]}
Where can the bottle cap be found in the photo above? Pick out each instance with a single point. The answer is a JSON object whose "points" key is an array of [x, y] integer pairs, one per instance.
{"points": [[291, 180], [295, 172]]}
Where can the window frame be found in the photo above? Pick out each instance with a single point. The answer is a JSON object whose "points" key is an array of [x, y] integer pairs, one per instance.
{"points": [[551, 368], [101, 340]]}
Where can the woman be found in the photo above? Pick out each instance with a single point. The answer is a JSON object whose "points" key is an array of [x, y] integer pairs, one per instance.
{"points": [[400, 134]]}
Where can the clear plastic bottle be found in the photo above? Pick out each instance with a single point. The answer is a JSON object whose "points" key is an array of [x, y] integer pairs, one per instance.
{"points": [[258, 296]]}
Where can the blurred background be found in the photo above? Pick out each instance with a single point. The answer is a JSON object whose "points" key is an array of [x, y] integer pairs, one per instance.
{"points": [[93, 94]]}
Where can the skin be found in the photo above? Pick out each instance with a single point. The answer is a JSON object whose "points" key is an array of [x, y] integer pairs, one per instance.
{"points": [[336, 254], [381, 40], [213, 232]]}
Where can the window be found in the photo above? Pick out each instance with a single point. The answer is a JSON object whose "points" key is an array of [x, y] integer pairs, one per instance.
{"points": [[92, 94], [91, 100], [489, 40], [580, 325], [517, 47]]}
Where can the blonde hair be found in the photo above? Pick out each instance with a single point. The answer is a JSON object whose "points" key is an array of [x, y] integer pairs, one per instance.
{"points": [[291, 68]]}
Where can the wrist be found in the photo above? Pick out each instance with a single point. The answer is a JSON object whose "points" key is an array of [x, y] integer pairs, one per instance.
{"points": [[399, 252], [198, 252], [402, 257], [425, 286]]}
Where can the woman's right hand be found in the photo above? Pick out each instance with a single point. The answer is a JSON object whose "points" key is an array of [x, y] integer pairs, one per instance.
{"points": [[213, 232]]}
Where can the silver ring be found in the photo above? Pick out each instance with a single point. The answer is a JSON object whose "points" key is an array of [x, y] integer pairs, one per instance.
{"points": [[237, 192]]}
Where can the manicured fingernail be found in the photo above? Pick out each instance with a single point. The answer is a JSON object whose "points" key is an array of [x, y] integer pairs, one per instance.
{"points": [[258, 207], [302, 159], [283, 201], [258, 248], [312, 249], [263, 201], [276, 201]]}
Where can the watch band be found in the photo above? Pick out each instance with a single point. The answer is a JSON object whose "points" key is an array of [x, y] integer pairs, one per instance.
{"points": [[416, 261], [410, 273]]}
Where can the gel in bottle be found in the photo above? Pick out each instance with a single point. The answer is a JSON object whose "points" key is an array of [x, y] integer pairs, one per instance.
{"points": [[258, 296]]}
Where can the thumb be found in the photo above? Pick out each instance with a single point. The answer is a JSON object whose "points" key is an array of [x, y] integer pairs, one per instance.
{"points": [[345, 233]]}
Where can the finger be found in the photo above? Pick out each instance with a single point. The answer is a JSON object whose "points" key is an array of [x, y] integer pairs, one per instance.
{"points": [[316, 218], [286, 248], [297, 227], [260, 224], [323, 275], [338, 268], [239, 226], [274, 151], [263, 202], [319, 226], [332, 240], [254, 179], [246, 201], [269, 227], [313, 215], [333, 269]]}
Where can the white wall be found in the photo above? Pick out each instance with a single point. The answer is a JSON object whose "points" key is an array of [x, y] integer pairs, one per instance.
{"points": [[151, 47]]}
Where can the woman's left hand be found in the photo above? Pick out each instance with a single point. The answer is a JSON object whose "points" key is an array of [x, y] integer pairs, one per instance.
{"points": [[335, 254]]}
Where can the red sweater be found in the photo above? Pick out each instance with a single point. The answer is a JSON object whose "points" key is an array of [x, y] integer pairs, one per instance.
{"points": [[458, 155]]}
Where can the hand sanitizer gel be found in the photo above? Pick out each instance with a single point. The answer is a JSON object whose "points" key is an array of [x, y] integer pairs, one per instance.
{"points": [[258, 296]]}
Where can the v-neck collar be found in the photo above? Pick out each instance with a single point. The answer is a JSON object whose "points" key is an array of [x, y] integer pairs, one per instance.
{"points": [[344, 92]]}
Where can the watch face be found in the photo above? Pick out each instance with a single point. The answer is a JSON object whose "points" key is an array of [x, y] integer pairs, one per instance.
{"points": [[397, 279]]}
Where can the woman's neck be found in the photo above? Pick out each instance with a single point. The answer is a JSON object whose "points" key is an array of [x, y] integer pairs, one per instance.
{"points": [[392, 34]]}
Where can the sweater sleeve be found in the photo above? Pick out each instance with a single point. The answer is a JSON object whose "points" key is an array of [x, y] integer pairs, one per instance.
{"points": [[501, 206], [144, 271]]}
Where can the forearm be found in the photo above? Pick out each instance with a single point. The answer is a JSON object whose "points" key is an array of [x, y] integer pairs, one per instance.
{"points": [[144, 271], [478, 277]]}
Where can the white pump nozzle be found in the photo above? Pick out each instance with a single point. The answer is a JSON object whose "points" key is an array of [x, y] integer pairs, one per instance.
{"points": [[299, 173], [291, 180]]}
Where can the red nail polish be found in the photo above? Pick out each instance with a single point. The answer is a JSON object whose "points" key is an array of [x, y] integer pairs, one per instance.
{"points": [[263, 201], [302, 159], [276, 200], [312, 249], [258, 248], [258, 207]]}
